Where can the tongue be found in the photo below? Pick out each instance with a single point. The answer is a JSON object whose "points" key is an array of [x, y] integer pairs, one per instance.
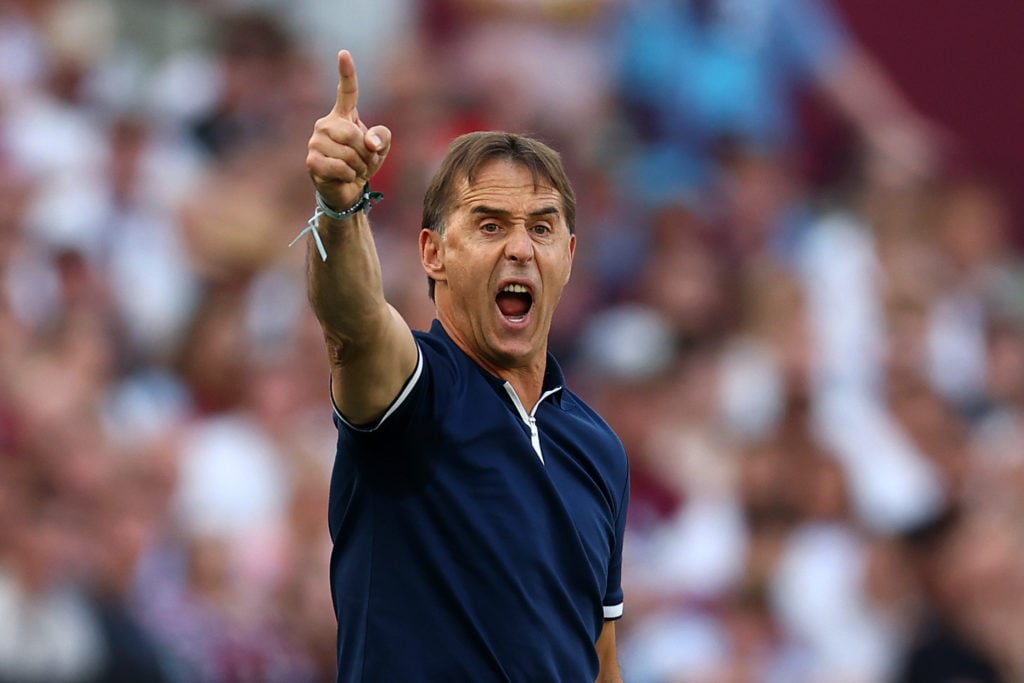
{"points": [[513, 305]]}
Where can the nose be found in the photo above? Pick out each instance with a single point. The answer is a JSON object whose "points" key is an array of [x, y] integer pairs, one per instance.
{"points": [[519, 245]]}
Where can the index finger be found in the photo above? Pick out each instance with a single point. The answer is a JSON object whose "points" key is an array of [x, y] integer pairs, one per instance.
{"points": [[348, 84]]}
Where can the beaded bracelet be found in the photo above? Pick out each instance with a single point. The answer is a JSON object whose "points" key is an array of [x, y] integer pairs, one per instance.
{"points": [[365, 203]]}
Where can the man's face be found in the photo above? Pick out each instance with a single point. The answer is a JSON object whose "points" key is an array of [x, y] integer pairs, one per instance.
{"points": [[501, 265]]}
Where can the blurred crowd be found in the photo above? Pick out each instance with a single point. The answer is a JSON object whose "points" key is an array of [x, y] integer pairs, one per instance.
{"points": [[812, 349]]}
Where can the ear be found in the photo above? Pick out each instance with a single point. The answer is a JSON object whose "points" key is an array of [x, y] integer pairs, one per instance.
{"points": [[572, 251], [432, 254]]}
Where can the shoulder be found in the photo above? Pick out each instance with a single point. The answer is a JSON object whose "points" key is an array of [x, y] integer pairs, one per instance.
{"points": [[571, 401], [609, 450], [439, 353], [438, 346]]}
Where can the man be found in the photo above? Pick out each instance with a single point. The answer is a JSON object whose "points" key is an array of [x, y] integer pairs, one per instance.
{"points": [[477, 506], [702, 77]]}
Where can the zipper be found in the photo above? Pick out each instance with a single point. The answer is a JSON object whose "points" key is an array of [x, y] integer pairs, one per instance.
{"points": [[530, 418]]}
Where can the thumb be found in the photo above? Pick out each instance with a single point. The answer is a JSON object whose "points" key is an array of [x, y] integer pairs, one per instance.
{"points": [[378, 140]]}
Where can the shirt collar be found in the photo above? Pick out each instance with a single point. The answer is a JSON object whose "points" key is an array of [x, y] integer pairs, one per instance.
{"points": [[554, 378]]}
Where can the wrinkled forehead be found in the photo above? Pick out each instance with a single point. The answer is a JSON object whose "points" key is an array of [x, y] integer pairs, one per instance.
{"points": [[506, 182]]}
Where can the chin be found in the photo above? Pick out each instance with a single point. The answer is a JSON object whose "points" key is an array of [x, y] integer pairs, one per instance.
{"points": [[514, 351]]}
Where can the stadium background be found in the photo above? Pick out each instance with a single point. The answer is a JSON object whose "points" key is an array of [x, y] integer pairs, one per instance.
{"points": [[814, 353]]}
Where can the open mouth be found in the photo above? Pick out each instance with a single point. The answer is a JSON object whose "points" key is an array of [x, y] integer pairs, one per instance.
{"points": [[514, 301]]}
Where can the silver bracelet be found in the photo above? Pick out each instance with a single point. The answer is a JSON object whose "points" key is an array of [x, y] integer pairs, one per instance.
{"points": [[365, 203]]}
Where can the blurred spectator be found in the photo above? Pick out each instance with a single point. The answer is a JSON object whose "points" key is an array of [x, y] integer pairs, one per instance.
{"points": [[537, 65], [697, 77], [843, 273], [253, 55], [805, 380], [980, 278], [944, 647], [48, 632], [120, 528]]}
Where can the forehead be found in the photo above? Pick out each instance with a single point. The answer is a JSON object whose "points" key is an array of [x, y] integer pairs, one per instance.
{"points": [[505, 184]]}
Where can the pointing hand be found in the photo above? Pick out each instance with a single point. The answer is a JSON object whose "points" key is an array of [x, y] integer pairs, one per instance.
{"points": [[343, 154]]}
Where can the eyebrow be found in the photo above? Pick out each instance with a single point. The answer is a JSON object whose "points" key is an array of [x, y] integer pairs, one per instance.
{"points": [[491, 211]]}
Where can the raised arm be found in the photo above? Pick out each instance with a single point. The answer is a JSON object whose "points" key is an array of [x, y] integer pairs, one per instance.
{"points": [[904, 145], [370, 347]]}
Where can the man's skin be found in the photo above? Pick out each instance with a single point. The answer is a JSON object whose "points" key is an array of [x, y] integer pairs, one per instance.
{"points": [[503, 230]]}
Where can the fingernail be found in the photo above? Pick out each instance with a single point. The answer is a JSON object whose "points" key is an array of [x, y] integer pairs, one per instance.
{"points": [[376, 141]]}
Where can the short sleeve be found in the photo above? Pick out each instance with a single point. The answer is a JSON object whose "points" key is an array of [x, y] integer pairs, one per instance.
{"points": [[613, 597], [394, 455], [400, 400]]}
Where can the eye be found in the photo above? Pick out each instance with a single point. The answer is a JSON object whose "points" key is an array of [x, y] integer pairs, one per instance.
{"points": [[542, 229], [490, 227]]}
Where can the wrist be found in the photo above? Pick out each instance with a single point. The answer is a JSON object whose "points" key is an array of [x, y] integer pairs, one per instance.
{"points": [[363, 204]]}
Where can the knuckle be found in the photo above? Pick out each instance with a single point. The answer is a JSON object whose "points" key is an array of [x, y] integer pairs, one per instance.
{"points": [[314, 160], [339, 169], [332, 126], [320, 144], [353, 158]]}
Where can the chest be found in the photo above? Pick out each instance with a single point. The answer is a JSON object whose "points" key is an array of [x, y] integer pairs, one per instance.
{"points": [[531, 480]]}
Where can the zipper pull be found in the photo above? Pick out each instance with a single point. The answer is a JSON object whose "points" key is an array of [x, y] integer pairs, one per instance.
{"points": [[535, 437]]}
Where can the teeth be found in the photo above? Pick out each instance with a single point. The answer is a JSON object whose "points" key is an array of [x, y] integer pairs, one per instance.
{"points": [[516, 289]]}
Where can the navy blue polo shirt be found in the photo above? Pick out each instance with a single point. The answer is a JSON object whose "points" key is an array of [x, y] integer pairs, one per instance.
{"points": [[474, 541]]}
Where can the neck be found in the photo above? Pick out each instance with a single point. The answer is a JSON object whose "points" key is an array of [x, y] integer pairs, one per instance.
{"points": [[528, 389], [525, 375]]}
